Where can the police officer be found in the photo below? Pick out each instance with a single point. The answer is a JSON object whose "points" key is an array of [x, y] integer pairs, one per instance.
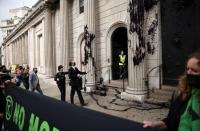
{"points": [[122, 59], [60, 80]]}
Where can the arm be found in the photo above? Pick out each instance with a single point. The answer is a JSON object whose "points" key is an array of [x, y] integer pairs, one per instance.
{"points": [[79, 72], [154, 124]]}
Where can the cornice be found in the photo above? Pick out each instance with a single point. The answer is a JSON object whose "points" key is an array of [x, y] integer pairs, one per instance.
{"points": [[34, 11]]}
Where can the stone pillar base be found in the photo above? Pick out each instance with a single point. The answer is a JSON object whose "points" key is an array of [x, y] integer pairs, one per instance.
{"points": [[134, 95], [90, 86]]}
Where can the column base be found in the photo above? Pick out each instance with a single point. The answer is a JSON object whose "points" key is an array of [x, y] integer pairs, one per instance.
{"points": [[90, 86], [134, 95]]}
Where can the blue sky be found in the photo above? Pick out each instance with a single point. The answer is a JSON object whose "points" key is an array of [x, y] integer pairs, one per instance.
{"points": [[5, 5]]}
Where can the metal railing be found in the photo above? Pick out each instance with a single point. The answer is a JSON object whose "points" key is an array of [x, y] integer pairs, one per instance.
{"points": [[146, 79]]}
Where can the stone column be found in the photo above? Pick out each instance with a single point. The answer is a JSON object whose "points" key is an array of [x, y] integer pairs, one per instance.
{"points": [[90, 10], [26, 48], [64, 32], [23, 51], [18, 52], [48, 42], [16, 42], [13, 50], [136, 90], [31, 52]]}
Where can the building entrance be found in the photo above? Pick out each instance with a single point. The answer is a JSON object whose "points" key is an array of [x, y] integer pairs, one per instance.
{"points": [[118, 44]]}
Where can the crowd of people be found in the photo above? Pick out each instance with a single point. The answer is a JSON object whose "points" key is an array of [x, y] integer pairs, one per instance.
{"points": [[20, 77], [28, 79]]}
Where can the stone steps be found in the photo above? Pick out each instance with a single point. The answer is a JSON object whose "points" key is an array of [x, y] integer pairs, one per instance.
{"points": [[118, 83], [161, 96], [157, 96]]}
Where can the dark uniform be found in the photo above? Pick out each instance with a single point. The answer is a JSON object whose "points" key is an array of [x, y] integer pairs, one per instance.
{"points": [[76, 84], [60, 80]]}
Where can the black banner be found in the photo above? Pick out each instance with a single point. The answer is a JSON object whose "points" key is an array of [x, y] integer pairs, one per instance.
{"points": [[28, 111]]}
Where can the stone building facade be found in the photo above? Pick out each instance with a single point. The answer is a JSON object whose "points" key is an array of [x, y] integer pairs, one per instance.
{"points": [[52, 33]]}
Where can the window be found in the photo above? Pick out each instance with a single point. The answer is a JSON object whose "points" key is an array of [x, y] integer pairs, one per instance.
{"points": [[81, 6]]}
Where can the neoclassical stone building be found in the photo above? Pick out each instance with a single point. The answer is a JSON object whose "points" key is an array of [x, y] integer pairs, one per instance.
{"points": [[52, 33]]}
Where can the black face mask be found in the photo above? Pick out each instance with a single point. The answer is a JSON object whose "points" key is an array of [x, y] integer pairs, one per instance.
{"points": [[35, 71], [193, 80]]}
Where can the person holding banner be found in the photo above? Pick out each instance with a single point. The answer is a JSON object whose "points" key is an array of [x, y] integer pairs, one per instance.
{"points": [[75, 83], [34, 81], [184, 112], [2, 107], [60, 81], [4, 78]]}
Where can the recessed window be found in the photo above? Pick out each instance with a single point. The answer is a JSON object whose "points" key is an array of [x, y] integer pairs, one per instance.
{"points": [[81, 6]]}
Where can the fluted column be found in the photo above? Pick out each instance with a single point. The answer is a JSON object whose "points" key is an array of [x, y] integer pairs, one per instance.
{"points": [[31, 49], [13, 50], [23, 51], [90, 10], [64, 33], [26, 48], [136, 89], [20, 50], [48, 42]]}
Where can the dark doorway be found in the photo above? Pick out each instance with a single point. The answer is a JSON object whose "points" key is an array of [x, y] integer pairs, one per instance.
{"points": [[119, 43], [180, 36]]}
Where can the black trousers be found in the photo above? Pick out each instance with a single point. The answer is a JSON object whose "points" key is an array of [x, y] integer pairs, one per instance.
{"points": [[62, 91], [121, 71], [1, 123], [73, 89]]}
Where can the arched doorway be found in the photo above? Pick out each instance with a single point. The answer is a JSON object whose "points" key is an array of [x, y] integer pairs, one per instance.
{"points": [[118, 43]]}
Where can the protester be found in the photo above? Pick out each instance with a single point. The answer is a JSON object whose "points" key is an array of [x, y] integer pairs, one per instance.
{"points": [[75, 83], [34, 81], [184, 113], [60, 81], [18, 75], [4, 78], [25, 77], [2, 106]]}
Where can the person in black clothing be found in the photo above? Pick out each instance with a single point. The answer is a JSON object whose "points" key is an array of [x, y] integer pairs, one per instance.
{"points": [[60, 80], [2, 107], [4, 78], [75, 83], [25, 78], [184, 112]]}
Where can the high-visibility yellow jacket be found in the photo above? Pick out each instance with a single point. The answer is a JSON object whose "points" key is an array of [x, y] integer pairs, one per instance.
{"points": [[122, 59]]}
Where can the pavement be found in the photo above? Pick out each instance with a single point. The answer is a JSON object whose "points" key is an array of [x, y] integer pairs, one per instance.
{"points": [[110, 104]]}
